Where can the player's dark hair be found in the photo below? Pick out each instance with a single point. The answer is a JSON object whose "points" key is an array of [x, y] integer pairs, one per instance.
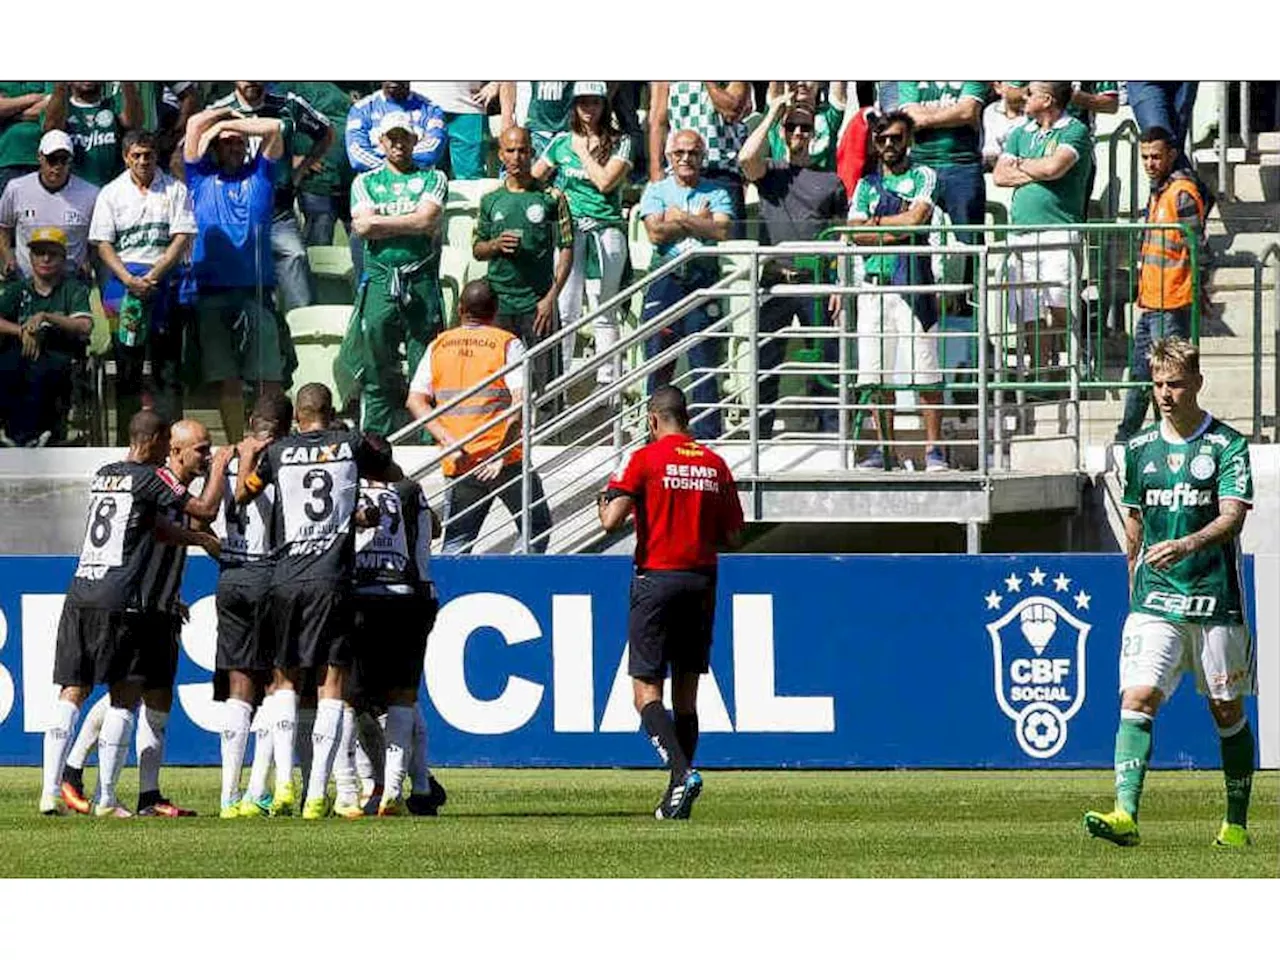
{"points": [[668, 403], [1156, 134], [478, 300], [315, 402], [271, 415], [145, 426], [137, 138], [373, 458]]}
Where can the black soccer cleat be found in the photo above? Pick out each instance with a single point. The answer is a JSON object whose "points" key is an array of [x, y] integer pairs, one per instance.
{"points": [[428, 804], [678, 802]]}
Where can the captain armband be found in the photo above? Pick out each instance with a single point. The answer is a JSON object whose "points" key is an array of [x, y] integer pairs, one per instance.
{"points": [[253, 483]]}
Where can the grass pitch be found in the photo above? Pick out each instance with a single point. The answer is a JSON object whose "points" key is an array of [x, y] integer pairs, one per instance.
{"points": [[599, 823]]}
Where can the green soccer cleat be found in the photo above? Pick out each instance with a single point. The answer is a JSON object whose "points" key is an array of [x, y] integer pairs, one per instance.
{"points": [[283, 804], [1232, 835], [1116, 826], [317, 808], [252, 808]]}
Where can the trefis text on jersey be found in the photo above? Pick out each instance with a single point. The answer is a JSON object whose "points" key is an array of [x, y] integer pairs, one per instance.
{"points": [[1179, 496]]}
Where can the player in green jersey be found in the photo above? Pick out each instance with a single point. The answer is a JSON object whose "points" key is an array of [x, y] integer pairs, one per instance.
{"points": [[1188, 488], [397, 210]]}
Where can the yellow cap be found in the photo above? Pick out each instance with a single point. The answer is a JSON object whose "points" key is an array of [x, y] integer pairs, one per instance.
{"points": [[48, 235]]}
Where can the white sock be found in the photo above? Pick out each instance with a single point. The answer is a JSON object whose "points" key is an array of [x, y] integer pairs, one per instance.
{"points": [[57, 740], [263, 729], [113, 750], [151, 727], [302, 748], [419, 772], [399, 741], [372, 744], [235, 740], [87, 738], [324, 744], [344, 767], [284, 716]]}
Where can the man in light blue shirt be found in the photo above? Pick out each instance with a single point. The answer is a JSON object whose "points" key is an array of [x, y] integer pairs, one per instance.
{"points": [[682, 212], [363, 149]]}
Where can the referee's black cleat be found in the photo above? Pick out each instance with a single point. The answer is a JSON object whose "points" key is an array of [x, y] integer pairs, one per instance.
{"points": [[427, 804], [678, 802]]}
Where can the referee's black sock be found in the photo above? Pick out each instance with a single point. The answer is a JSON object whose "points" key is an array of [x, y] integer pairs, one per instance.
{"points": [[687, 734], [73, 776], [662, 734]]}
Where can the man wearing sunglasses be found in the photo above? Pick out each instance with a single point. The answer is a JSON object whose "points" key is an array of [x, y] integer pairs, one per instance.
{"points": [[797, 203], [50, 197], [895, 345]]}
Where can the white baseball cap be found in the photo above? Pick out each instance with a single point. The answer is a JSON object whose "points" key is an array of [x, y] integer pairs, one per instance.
{"points": [[55, 140], [590, 88], [396, 120]]}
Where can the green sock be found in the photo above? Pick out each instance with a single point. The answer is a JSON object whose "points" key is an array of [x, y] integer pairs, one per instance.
{"points": [[1133, 753], [1237, 770]]}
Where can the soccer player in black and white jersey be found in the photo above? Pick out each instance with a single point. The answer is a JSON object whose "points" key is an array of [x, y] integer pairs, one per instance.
{"points": [[395, 609], [315, 478], [245, 653], [101, 630], [163, 613]]}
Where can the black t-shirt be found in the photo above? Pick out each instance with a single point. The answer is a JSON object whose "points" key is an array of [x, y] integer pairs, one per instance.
{"points": [[315, 480], [246, 530], [162, 578], [798, 203], [395, 556], [125, 498]]}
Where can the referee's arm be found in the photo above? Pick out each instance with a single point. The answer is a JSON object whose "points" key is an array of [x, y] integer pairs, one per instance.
{"points": [[615, 506]]}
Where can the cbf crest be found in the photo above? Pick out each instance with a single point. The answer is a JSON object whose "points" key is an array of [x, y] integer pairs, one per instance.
{"points": [[1038, 647]]}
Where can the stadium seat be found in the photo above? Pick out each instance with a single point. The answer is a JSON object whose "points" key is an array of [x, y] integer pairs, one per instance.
{"points": [[458, 228], [333, 272], [453, 275], [470, 191], [317, 333]]}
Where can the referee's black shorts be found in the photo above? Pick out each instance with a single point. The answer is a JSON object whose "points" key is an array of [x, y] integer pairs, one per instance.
{"points": [[672, 612], [312, 622], [244, 626]]}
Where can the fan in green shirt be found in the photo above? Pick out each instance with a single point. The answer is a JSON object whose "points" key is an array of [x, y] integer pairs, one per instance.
{"points": [[947, 130], [397, 210], [20, 105], [525, 232], [827, 119], [96, 121]]}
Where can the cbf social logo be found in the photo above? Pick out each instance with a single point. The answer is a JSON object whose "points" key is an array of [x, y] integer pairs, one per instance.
{"points": [[1038, 646]]}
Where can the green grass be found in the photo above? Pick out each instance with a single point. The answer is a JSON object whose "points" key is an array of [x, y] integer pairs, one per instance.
{"points": [[599, 823]]}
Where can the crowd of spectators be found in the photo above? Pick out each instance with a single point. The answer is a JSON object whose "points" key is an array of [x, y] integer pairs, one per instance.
{"points": [[190, 207]]}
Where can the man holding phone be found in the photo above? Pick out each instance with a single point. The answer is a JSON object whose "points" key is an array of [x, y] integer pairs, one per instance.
{"points": [[525, 231]]}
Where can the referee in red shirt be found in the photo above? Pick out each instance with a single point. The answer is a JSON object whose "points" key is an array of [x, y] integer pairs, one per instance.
{"points": [[686, 507]]}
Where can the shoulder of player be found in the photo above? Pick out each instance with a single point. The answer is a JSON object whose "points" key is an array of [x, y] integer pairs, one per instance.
{"points": [[170, 480], [1223, 435], [1141, 440]]}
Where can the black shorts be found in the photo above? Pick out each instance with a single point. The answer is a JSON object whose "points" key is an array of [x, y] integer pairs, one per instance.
{"points": [[244, 628], [311, 621], [158, 645], [389, 643], [96, 646], [672, 612]]}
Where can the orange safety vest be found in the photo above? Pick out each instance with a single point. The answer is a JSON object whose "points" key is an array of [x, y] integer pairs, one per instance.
{"points": [[1165, 281], [461, 358]]}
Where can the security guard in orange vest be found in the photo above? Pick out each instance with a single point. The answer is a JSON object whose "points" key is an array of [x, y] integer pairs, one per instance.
{"points": [[489, 463], [1166, 286]]}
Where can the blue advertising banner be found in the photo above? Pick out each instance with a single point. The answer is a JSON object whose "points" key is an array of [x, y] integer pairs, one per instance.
{"points": [[819, 661]]}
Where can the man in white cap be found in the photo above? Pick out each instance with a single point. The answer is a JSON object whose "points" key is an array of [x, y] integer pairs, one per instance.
{"points": [[50, 197], [397, 210]]}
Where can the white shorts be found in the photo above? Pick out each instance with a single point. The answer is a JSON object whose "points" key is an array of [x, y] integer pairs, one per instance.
{"points": [[908, 353], [1154, 652], [1034, 265]]}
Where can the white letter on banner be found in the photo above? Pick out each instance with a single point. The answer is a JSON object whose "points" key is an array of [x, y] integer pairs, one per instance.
{"points": [[620, 711], [40, 613], [200, 641], [6, 681], [446, 675], [571, 681], [760, 709]]}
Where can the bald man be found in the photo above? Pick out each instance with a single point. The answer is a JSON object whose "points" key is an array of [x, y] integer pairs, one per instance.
{"points": [[163, 612], [525, 232]]}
